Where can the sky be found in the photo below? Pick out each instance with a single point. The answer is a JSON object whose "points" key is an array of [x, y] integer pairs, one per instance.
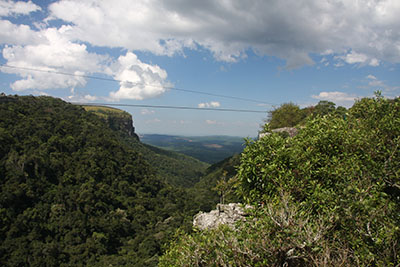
{"points": [[229, 54]]}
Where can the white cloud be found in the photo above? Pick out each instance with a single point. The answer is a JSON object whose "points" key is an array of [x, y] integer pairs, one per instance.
{"points": [[351, 32], [76, 97], [358, 58], [153, 121], [90, 98], [337, 97], [212, 104], [54, 53], [211, 121], [9, 8], [374, 62], [51, 50], [354, 57], [138, 79], [377, 84], [146, 111], [181, 122], [291, 30], [17, 34]]}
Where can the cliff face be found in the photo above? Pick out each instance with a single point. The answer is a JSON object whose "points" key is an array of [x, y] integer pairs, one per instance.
{"points": [[123, 124], [117, 119]]}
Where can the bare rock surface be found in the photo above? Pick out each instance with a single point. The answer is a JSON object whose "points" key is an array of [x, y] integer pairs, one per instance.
{"points": [[290, 130], [227, 214]]}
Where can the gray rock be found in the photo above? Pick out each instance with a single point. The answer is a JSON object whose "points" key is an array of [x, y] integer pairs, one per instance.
{"points": [[227, 214], [290, 130]]}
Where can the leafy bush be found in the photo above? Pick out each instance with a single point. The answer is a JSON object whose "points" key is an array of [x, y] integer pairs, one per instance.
{"points": [[328, 196], [287, 115]]}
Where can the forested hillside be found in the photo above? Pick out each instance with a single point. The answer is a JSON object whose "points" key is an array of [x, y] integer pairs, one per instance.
{"points": [[330, 196], [210, 149], [75, 192], [177, 169], [217, 185]]}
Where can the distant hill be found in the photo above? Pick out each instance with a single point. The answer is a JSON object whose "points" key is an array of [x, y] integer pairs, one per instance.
{"points": [[210, 149]]}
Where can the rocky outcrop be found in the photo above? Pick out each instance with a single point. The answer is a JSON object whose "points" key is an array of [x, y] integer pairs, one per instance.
{"points": [[121, 123], [291, 131], [116, 119], [227, 214]]}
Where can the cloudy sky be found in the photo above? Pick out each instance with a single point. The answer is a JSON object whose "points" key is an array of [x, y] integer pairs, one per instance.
{"points": [[161, 52]]}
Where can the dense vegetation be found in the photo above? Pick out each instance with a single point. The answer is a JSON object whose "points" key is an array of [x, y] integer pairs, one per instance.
{"points": [[116, 119], [291, 115], [210, 149], [329, 196], [177, 169], [216, 186], [75, 192]]}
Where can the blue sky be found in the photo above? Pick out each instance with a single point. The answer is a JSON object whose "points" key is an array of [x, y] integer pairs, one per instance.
{"points": [[270, 51]]}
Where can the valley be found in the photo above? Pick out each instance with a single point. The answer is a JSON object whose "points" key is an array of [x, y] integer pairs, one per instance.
{"points": [[79, 187], [210, 149]]}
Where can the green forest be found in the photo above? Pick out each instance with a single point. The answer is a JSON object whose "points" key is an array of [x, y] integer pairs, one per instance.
{"points": [[78, 188], [77, 192]]}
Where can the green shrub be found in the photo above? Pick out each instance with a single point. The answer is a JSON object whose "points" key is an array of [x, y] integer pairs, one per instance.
{"points": [[328, 196]]}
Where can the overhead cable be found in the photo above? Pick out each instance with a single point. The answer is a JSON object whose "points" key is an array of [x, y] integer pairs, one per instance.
{"points": [[143, 84], [168, 107]]}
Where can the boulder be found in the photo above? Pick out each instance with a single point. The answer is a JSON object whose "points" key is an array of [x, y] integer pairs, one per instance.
{"points": [[227, 214]]}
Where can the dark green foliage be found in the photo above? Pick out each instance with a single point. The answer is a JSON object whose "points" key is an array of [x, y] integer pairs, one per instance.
{"points": [[290, 115], [205, 195], [177, 169], [73, 193], [342, 172], [327, 197], [116, 119], [287, 115]]}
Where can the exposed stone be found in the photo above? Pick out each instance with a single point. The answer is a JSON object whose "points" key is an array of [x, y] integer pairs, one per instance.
{"points": [[290, 130], [227, 214]]}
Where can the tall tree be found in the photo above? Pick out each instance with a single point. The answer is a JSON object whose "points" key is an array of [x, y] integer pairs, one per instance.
{"points": [[287, 115]]}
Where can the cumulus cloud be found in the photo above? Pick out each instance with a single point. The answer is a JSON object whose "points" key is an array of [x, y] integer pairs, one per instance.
{"points": [[357, 31], [347, 31], [336, 97], [17, 34], [76, 97], [11, 8], [52, 50], [138, 80], [54, 53], [358, 58], [377, 84], [212, 104]]}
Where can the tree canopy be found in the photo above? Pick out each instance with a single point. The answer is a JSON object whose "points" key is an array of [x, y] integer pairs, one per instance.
{"points": [[291, 115], [328, 196], [74, 192]]}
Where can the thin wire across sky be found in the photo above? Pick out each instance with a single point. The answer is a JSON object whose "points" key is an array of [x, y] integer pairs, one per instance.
{"points": [[149, 106]]}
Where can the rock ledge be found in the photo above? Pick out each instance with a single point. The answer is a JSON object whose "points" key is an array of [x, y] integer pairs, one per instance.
{"points": [[227, 214]]}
